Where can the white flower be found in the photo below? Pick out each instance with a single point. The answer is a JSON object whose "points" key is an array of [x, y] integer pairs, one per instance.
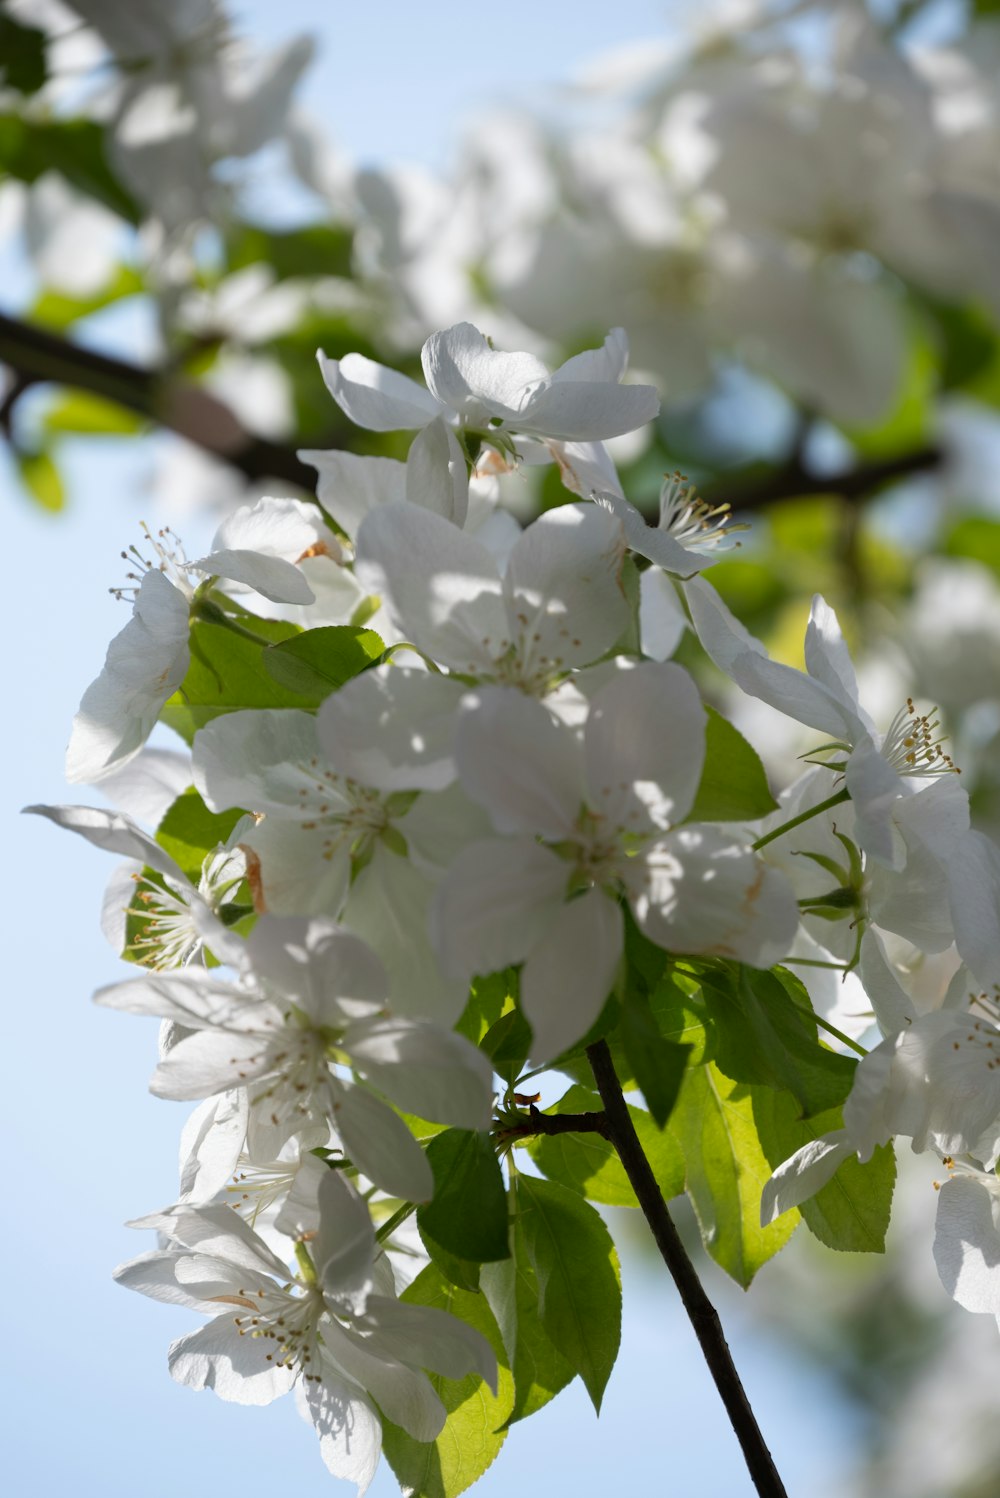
{"points": [[487, 391], [559, 604], [341, 830], [876, 767], [594, 817], [182, 920], [313, 997], [689, 534], [330, 1330], [967, 1236]]}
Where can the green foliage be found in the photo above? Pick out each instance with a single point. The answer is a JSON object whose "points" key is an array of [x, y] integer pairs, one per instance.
{"points": [[59, 310], [976, 537], [851, 1212], [22, 56], [467, 1214], [761, 1034], [579, 1285], [79, 412], [656, 1063], [226, 674], [318, 661], [189, 831], [733, 786], [313, 250], [907, 425], [488, 999], [540, 1370], [589, 1165], [507, 1043], [475, 1428], [726, 1171], [75, 148], [42, 479]]}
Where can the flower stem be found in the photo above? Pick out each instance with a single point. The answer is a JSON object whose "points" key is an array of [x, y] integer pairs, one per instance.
{"points": [[205, 609], [701, 1313], [825, 1024], [803, 816]]}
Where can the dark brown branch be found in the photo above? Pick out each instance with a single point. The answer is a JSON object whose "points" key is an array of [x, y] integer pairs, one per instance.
{"points": [[36, 355], [796, 481], [702, 1314], [554, 1123]]}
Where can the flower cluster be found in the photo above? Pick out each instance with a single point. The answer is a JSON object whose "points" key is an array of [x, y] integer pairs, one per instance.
{"points": [[429, 747]]}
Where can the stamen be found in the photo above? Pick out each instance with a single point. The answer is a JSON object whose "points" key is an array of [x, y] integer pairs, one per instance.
{"points": [[694, 522], [912, 744], [169, 558]]}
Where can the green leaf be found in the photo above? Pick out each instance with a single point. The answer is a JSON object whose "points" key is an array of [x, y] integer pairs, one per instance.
{"points": [[761, 1034], [579, 1285], [656, 1064], [189, 831], [733, 786], [73, 147], [57, 309], [78, 411], [589, 1165], [488, 998], [315, 250], [475, 1428], [467, 1214], [226, 674], [507, 1044], [678, 1007], [464, 1273], [726, 1171], [851, 1212], [977, 537], [22, 56], [318, 661], [540, 1370], [42, 479]]}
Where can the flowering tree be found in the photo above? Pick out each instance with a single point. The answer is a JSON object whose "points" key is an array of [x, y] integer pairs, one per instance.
{"points": [[470, 910]]}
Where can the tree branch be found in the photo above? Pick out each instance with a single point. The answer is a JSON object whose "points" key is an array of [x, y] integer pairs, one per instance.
{"points": [[795, 481], [36, 355], [701, 1313], [554, 1123]]}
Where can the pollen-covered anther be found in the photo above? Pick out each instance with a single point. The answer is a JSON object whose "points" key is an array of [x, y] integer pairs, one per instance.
{"points": [[168, 556]]}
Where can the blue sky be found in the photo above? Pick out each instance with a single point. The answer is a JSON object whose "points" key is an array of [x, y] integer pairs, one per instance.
{"points": [[91, 1407]]}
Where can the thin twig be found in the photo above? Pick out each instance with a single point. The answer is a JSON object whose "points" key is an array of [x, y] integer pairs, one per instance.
{"points": [[553, 1123], [702, 1314]]}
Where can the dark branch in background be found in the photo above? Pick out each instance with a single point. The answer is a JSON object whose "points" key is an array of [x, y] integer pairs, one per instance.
{"points": [[35, 355], [702, 1314]]}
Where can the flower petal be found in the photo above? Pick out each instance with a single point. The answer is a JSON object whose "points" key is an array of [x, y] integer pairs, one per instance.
{"points": [[375, 397], [570, 973], [644, 747]]}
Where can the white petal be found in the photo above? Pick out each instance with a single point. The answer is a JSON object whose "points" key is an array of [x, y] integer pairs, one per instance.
{"points": [[349, 1429], [393, 728], [710, 895], [437, 474], [145, 664], [805, 1173], [424, 1069], [515, 760], [827, 657], [115, 833], [570, 973], [343, 1249], [440, 586], [273, 576], [604, 365], [381, 1146], [259, 759], [662, 621], [875, 788], [967, 1244], [404, 1395], [210, 1145], [470, 377], [375, 397], [430, 1338], [644, 747], [217, 1357], [581, 411], [562, 587], [350, 485], [495, 904]]}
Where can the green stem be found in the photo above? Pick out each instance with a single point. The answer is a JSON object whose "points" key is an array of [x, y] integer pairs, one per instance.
{"points": [[204, 608], [825, 1024], [396, 1220], [803, 816]]}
